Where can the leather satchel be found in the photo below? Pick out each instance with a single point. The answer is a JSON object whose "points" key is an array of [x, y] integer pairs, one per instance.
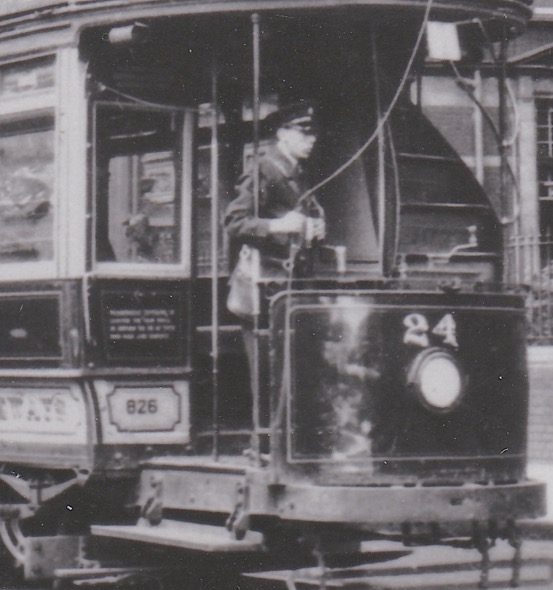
{"points": [[243, 298]]}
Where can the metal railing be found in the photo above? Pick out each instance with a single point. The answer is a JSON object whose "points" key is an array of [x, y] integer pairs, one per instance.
{"points": [[529, 262]]}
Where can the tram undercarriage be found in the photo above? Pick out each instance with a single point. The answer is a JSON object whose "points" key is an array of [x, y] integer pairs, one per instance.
{"points": [[231, 521]]}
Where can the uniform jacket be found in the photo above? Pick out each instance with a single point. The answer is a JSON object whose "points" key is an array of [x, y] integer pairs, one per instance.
{"points": [[281, 184]]}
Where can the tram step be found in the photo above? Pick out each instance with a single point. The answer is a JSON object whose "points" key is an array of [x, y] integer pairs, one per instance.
{"points": [[184, 535]]}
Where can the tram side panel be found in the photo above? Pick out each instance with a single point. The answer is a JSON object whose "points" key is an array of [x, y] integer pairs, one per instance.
{"points": [[93, 379], [46, 418]]}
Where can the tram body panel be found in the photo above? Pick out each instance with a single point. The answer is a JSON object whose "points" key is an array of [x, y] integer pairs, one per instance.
{"points": [[352, 357], [102, 428], [361, 433], [124, 384], [46, 424], [56, 410]]}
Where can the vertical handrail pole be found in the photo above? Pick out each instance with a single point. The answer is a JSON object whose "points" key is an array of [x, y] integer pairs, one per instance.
{"points": [[214, 181], [256, 100], [502, 129], [518, 245], [381, 181], [545, 291]]}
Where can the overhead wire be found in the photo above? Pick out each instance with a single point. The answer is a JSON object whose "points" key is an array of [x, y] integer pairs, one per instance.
{"points": [[397, 216], [467, 87], [514, 105], [506, 143], [385, 116], [374, 135], [148, 103], [285, 382]]}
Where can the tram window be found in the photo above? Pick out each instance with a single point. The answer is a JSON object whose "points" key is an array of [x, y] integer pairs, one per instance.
{"points": [[138, 212], [27, 78], [26, 188]]}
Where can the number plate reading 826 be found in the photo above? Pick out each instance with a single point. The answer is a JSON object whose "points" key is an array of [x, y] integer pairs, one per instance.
{"points": [[144, 409], [142, 406]]}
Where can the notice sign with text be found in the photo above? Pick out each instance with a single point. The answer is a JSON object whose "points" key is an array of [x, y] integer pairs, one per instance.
{"points": [[141, 324], [145, 326]]}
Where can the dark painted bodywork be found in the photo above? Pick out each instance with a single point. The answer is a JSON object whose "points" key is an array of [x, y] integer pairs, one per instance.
{"points": [[334, 356], [346, 379], [349, 400]]}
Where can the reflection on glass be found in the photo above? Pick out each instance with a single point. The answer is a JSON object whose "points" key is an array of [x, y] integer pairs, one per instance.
{"points": [[27, 78], [332, 402], [26, 187], [142, 215], [138, 204]]}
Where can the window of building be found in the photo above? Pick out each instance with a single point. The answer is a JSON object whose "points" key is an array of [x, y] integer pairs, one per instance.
{"points": [[544, 131]]}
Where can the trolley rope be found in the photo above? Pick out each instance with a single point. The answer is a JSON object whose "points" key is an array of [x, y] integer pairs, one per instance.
{"points": [[382, 121]]}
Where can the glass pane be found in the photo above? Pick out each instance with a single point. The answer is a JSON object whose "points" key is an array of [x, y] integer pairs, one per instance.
{"points": [[138, 201], [26, 187], [27, 78], [332, 405]]}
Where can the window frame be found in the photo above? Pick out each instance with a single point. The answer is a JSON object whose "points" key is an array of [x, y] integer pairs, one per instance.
{"points": [[37, 104], [183, 149], [544, 163]]}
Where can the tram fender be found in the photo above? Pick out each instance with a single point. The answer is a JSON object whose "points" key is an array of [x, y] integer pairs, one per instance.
{"points": [[384, 505]]}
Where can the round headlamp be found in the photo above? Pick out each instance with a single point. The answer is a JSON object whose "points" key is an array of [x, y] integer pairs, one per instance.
{"points": [[438, 379]]}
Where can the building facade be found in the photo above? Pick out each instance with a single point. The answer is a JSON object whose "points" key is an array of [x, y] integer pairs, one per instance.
{"points": [[512, 157]]}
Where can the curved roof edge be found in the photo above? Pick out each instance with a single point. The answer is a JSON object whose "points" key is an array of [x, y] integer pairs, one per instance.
{"points": [[24, 14]]}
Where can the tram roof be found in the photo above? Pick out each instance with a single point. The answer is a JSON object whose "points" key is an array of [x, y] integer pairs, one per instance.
{"points": [[32, 13]]}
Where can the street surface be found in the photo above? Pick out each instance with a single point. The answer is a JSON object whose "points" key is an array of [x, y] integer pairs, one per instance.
{"points": [[428, 568]]}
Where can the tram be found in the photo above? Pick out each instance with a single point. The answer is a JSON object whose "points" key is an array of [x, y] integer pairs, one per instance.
{"points": [[390, 392]]}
